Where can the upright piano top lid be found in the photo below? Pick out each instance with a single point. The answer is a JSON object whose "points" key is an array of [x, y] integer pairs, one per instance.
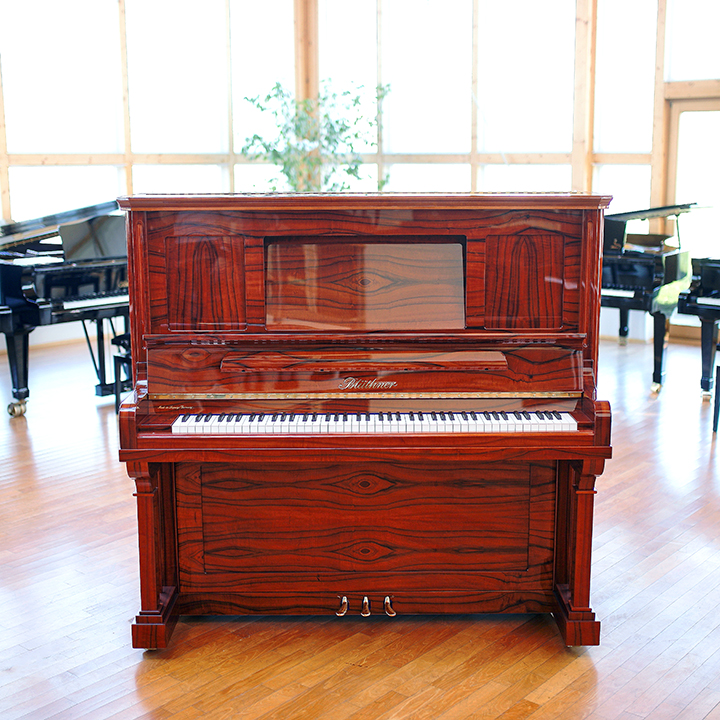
{"points": [[357, 201]]}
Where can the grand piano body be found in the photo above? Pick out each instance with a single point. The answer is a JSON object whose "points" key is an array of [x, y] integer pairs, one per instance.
{"points": [[641, 272], [702, 299], [61, 268], [365, 404]]}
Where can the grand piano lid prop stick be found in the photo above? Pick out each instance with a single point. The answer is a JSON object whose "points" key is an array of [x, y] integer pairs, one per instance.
{"points": [[358, 404]]}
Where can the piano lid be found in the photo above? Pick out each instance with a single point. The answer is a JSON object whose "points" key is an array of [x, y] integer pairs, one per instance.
{"points": [[615, 235], [88, 233], [657, 212]]}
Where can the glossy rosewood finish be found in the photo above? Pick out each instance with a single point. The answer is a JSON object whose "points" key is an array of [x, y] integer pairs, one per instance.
{"points": [[368, 303]]}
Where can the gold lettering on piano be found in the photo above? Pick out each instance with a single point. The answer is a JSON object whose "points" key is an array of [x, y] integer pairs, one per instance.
{"points": [[351, 383]]}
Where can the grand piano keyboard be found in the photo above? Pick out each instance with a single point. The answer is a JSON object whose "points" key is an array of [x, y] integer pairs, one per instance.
{"points": [[369, 423]]}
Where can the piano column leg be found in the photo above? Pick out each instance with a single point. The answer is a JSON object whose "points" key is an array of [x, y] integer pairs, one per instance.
{"points": [[158, 583], [18, 352], [659, 325], [708, 348], [576, 499]]}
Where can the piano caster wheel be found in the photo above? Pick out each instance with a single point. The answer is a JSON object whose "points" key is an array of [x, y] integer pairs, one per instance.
{"points": [[365, 612], [706, 396], [389, 610], [342, 610], [622, 341], [655, 388], [16, 409]]}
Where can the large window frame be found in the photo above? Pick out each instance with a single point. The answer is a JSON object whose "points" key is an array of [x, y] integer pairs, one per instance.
{"points": [[580, 158]]}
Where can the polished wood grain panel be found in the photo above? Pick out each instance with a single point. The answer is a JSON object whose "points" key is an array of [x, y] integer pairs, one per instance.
{"points": [[194, 369], [363, 525], [524, 281], [205, 283], [349, 284], [69, 588]]}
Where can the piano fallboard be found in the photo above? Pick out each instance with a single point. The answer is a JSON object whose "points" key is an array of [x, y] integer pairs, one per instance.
{"points": [[464, 365]]}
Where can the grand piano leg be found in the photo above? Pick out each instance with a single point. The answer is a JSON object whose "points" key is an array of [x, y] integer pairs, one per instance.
{"points": [[708, 348], [659, 325], [623, 330], [18, 351]]}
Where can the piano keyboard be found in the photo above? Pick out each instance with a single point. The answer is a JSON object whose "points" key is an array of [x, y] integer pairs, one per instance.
{"points": [[368, 423], [95, 301]]}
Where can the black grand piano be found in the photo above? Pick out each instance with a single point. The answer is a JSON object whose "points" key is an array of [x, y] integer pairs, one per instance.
{"points": [[702, 299], [642, 272], [71, 266]]}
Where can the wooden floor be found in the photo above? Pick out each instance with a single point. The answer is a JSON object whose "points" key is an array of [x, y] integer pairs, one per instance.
{"points": [[69, 590]]}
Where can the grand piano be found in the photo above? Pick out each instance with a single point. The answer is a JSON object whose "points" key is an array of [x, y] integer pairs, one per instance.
{"points": [[365, 404], [71, 266], [702, 299], [641, 272]]}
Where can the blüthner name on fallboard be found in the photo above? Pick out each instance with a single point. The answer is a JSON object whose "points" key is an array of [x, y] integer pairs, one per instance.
{"points": [[351, 383]]}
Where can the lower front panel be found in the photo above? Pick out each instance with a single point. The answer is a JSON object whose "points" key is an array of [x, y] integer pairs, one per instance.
{"points": [[289, 538]]}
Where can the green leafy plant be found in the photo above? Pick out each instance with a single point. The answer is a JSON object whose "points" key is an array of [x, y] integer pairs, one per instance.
{"points": [[316, 144]]}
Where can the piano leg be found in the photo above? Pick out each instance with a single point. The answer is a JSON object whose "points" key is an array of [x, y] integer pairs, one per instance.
{"points": [[18, 350], [708, 347], [623, 330], [659, 325], [576, 498], [158, 581]]}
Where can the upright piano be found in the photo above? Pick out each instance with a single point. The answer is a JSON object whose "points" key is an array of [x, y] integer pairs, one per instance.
{"points": [[71, 266], [641, 272], [365, 404], [702, 299]]}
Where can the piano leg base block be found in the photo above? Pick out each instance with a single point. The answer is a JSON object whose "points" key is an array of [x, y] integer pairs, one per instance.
{"points": [[576, 627], [152, 630]]}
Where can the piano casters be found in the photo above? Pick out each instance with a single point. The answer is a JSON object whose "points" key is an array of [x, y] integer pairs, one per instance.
{"points": [[365, 607], [17, 408]]}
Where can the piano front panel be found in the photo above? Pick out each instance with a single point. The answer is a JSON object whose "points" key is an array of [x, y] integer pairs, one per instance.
{"points": [[205, 284], [409, 272], [365, 527]]}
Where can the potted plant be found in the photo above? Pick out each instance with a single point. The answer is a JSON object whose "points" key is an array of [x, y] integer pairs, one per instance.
{"points": [[316, 143]]}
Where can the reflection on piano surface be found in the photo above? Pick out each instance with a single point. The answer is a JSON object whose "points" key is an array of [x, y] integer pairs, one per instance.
{"points": [[365, 403], [641, 272], [56, 269], [702, 299]]}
